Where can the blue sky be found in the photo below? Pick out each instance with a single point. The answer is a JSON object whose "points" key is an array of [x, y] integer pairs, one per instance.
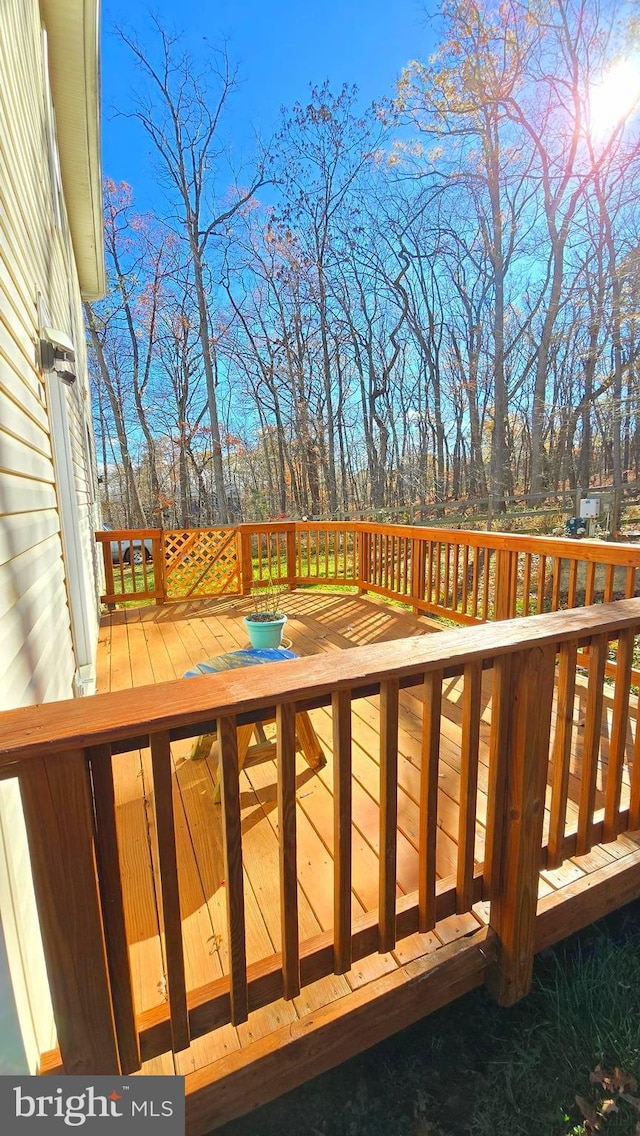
{"points": [[280, 48]]}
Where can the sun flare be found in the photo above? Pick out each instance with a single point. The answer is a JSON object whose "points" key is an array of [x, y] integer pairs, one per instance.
{"points": [[615, 96]]}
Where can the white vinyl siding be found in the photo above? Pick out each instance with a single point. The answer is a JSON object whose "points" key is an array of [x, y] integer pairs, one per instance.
{"points": [[37, 652]]}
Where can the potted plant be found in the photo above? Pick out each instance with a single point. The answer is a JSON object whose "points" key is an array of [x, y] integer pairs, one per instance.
{"points": [[265, 623]]}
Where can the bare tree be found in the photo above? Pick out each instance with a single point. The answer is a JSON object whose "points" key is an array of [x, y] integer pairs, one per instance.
{"points": [[182, 114]]}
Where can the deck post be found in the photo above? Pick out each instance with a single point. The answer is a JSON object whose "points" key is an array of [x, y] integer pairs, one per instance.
{"points": [[292, 557], [418, 567], [56, 798], [159, 577], [246, 566], [109, 581], [516, 843], [505, 584]]}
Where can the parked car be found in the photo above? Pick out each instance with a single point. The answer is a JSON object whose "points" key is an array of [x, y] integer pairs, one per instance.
{"points": [[136, 550]]}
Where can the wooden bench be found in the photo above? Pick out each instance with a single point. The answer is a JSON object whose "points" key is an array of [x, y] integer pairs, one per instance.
{"points": [[250, 751]]}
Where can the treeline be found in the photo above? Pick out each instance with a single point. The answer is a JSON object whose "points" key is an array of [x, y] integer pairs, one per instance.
{"points": [[437, 297]]}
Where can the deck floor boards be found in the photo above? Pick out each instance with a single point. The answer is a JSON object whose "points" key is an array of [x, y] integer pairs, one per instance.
{"points": [[155, 644]]}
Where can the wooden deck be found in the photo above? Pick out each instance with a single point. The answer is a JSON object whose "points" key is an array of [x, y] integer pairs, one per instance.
{"points": [[154, 644]]}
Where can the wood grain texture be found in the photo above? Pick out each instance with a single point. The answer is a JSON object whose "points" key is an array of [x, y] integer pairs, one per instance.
{"points": [[618, 742], [110, 881], [388, 813], [58, 811], [469, 756], [279, 1062], [430, 757], [178, 706], [342, 838], [286, 744], [561, 757], [209, 1005], [234, 877], [591, 741], [171, 915], [499, 751], [513, 904]]}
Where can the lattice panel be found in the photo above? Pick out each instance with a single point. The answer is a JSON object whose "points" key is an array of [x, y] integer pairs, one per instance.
{"points": [[201, 562]]}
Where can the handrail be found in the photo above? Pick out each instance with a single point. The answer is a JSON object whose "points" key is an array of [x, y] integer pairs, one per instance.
{"points": [[444, 571], [62, 753], [38, 731]]}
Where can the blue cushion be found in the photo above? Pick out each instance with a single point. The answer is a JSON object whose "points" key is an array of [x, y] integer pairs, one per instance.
{"points": [[233, 660]]}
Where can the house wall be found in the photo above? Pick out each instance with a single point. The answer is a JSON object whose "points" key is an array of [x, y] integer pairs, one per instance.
{"points": [[46, 564]]}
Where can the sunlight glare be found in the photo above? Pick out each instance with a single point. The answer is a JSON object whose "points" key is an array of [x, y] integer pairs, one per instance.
{"points": [[615, 96]]}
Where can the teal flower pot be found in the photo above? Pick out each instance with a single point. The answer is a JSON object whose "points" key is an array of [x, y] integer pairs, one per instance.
{"points": [[265, 633]]}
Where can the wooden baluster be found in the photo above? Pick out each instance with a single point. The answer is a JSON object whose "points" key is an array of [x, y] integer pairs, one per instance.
{"points": [[515, 888], [379, 559], [630, 583], [233, 872], [591, 742], [58, 810], [432, 707], [167, 857], [456, 572], [475, 582], [465, 580], [286, 757], [526, 585], [447, 555], [438, 571], [555, 587], [298, 543], [469, 755], [110, 880], [429, 589], [143, 565], [418, 558], [359, 567], [336, 570], [488, 553], [499, 750], [573, 583], [405, 566], [121, 568], [618, 743], [608, 583], [542, 578], [561, 759], [342, 840], [513, 585], [389, 691], [590, 583]]}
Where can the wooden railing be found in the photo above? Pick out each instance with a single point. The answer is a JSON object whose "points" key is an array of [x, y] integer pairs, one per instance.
{"points": [[469, 577], [62, 754]]}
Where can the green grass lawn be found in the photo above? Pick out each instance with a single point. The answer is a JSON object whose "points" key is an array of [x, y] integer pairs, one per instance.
{"points": [[474, 1069]]}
